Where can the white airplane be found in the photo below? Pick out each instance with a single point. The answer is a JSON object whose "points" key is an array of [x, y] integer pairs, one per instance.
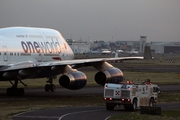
{"points": [[27, 52]]}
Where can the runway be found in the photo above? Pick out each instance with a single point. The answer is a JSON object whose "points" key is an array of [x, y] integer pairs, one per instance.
{"points": [[80, 113]]}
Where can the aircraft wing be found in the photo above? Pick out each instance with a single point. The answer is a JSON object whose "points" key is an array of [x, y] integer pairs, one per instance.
{"points": [[76, 63], [71, 78], [88, 62]]}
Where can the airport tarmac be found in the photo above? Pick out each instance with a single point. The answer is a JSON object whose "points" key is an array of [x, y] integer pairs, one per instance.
{"points": [[98, 90], [80, 113]]}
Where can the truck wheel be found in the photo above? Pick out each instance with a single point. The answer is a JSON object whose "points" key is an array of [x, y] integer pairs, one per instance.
{"points": [[110, 106], [151, 102], [134, 106]]}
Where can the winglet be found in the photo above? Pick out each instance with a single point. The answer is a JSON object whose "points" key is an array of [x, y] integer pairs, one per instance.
{"points": [[147, 53]]}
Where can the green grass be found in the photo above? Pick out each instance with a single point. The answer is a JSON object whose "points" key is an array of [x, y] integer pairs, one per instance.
{"points": [[171, 113], [157, 78], [169, 97], [165, 115]]}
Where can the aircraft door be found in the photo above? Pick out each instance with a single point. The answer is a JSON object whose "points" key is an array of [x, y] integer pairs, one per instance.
{"points": [[62, 56], [5, 54], [40, 57]]}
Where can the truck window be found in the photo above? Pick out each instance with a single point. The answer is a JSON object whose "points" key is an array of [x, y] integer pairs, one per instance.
{"points": [[116, 80], [124, 86], [155, 89]]}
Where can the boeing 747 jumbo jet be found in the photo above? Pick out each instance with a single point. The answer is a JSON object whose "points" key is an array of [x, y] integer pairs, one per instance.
{"points": [[27, 52]]}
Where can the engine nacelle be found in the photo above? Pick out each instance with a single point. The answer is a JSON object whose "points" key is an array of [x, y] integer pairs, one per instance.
{"points": [[110, 75], [73, 81]]}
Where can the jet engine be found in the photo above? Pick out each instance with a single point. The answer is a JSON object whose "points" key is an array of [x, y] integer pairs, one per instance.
{"points": [[110, 75], [73, 81]]}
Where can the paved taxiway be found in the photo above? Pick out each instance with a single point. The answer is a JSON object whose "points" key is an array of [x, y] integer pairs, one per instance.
{"points": [[81, 113], [85, 91]]}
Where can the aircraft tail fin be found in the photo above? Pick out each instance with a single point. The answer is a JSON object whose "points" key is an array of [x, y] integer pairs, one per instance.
{"points": [[116, 55], [147, 53]]}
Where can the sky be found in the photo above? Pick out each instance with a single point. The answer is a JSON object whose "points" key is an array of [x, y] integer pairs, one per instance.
{"points": [[108, 20]]}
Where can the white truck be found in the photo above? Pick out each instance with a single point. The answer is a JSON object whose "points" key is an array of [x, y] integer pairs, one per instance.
{"points": [[130, 95]]}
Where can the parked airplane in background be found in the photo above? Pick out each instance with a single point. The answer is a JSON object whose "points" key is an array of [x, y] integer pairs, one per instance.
{"points": [[106, 52], [28, 52]]}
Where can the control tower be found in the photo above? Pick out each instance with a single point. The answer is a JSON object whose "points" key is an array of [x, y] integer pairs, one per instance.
{"points": [[142, 43]]}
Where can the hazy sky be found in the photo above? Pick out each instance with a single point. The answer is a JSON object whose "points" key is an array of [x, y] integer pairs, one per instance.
{"points": [[108, 20]]}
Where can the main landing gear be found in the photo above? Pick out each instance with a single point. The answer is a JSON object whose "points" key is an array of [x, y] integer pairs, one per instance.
{"points": [[50, 87], [14, 91]]}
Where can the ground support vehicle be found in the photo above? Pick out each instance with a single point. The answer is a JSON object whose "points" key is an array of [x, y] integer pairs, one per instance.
{"points": [[130, 95]]}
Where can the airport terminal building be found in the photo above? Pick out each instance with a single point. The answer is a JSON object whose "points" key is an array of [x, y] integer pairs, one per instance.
{"points": [[81, 47]]}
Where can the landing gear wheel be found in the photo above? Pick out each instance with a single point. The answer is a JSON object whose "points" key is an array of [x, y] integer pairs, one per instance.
{"points": [[47, 87], [52, 87], [15, 91], [21, 91], [9, 92]]}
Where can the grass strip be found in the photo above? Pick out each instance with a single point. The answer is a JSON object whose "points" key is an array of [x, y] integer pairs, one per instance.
{"points": [[166, 115]]}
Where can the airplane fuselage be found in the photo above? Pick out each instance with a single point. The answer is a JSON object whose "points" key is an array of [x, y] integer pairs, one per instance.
{"points": [[32, 44]]}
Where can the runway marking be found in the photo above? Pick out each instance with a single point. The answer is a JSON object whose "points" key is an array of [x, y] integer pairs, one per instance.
{"points": [[24, 113], [79, 112], [44, 117], [107, 118]]}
